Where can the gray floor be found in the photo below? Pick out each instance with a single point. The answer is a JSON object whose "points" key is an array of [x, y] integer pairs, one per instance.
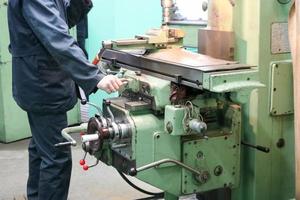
{"points": [[99, 183]]}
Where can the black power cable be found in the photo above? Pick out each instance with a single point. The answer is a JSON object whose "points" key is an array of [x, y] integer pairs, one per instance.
{"points": [[155, 195]]}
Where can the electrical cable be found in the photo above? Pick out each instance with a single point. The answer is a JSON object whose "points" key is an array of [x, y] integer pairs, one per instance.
{"points": [[156, 195]]}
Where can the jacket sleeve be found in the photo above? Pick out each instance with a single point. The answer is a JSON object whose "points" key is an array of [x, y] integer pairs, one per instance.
{"points": [[77, 10], [51, 29]]}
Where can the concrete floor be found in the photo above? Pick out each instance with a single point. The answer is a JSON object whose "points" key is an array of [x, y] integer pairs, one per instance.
{"points": [[99, 183]]}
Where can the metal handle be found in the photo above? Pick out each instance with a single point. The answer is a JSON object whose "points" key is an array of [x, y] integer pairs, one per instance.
{"points": [[257, 147], [66, 134], [133, 171]]}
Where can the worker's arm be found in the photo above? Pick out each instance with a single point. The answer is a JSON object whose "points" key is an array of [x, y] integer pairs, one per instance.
{"points": [[45, 21], [77, 10]]}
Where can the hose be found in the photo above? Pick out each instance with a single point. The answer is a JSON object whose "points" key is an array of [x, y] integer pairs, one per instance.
{"points": [[156, 195]]}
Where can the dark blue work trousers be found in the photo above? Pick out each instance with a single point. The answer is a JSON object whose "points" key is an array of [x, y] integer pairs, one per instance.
{"points": [[49, 167]]}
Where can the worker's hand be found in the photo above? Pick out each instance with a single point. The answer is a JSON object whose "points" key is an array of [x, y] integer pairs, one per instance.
{"points": [[110, 83]]}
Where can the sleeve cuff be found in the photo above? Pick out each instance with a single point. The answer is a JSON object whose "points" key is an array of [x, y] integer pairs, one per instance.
{"points": [[97, 79]]}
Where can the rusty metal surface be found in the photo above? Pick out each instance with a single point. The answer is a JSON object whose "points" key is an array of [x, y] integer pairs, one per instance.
{"points": [[192, 60], [217, 44]]}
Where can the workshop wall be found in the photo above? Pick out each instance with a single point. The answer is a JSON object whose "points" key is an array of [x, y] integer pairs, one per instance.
{"points": [[117, 19]]}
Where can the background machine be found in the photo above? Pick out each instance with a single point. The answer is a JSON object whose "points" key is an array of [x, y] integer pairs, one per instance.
{"points": [[190, 123]]}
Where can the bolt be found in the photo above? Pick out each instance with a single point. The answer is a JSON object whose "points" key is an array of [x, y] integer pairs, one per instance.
{"points": [[200, 155], [218, 170], [280, 143], [169, 127], [205, 176]]}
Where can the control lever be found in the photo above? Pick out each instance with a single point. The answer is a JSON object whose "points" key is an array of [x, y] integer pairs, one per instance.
{"points": [[86, 167], [86, 139], [112, 117], [257, 147], [84, 101]]}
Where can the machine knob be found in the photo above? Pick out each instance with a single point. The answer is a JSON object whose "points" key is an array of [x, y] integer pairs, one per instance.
{"points": [[85, 167], [132, 172], [82, 162], [107, 102]]}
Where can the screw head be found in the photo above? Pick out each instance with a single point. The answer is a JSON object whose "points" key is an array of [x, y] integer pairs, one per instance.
{"points": [[200, 155], [218, 170], [169, 127]]}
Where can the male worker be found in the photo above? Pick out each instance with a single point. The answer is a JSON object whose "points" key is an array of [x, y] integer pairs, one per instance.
{"points": [[47, 63]]}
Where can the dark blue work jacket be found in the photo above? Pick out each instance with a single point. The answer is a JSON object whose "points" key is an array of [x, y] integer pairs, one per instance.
{"points": [[47, 61]]}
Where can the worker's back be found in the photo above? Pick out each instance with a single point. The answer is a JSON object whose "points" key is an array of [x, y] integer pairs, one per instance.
{"points": [[39, 82]]}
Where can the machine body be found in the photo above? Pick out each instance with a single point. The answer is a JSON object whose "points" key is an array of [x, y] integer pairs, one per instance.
{"points": [[177, 123]]}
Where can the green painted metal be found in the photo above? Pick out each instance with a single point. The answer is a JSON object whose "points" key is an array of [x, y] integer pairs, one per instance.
{"points": [[169, 196], [221, 82], [174, 116], [158, 88], [281, 89], [13, 121], [4, 36], [15, 124], [218, 156], [153, 144], [263, 176]]}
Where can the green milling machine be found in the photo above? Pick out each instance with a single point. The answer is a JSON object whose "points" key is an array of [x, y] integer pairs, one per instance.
{"points": [[188, 123], [14, 124]]}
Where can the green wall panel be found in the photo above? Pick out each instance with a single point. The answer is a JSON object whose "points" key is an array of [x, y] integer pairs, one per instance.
{"points": [[4, 36], [15, 120], [117, 19]]}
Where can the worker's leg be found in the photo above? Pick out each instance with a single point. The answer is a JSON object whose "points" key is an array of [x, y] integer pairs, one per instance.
{"points": [[56, 164], [34, 172]]}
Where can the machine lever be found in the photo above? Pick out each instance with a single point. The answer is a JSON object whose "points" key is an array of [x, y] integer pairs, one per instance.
{"points": [[133, 171], [112, 117], [87, 167], [63, 144], [257, 147]]}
